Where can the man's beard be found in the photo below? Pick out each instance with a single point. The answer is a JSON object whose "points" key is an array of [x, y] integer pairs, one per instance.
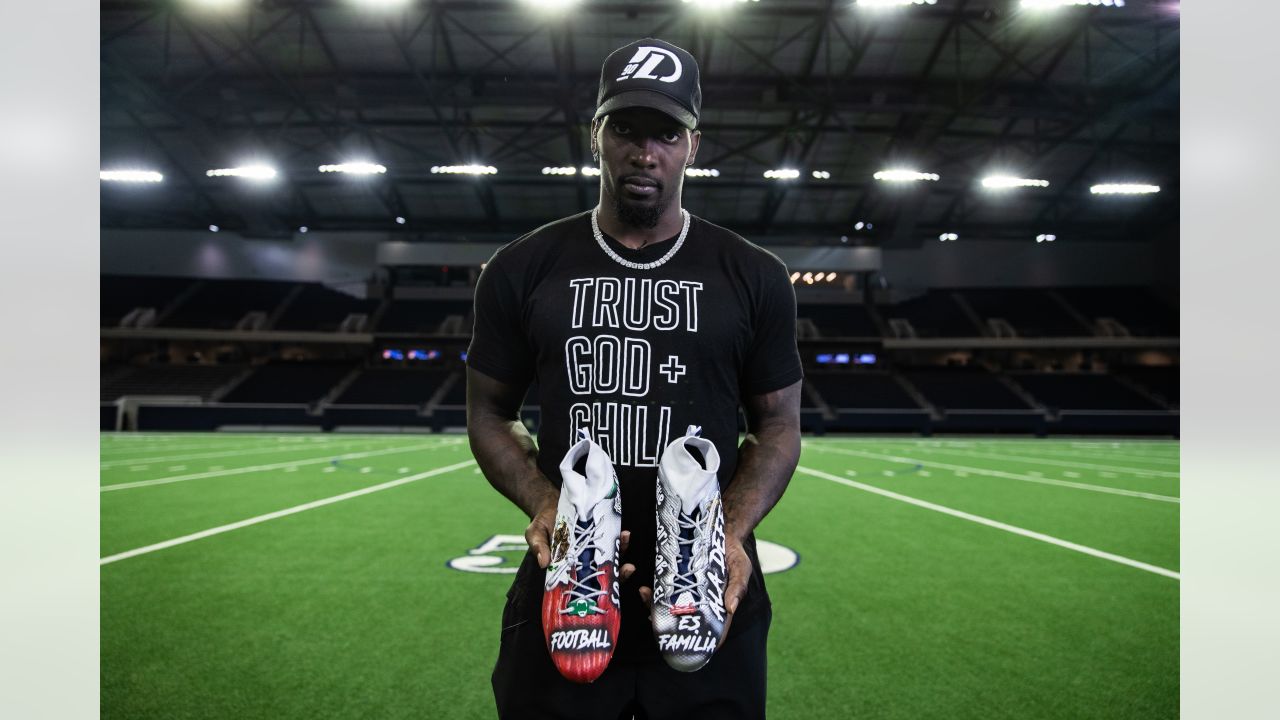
{"points": [[643, 217]]}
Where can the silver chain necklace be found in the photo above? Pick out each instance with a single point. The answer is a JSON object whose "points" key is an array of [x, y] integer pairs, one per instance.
{"points": [[595, 228]]}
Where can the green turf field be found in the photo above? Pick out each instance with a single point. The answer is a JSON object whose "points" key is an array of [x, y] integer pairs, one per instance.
{"points": [[252, 576]]}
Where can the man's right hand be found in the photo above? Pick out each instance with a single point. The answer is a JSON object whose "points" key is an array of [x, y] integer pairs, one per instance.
{"points": [[538, 534]]}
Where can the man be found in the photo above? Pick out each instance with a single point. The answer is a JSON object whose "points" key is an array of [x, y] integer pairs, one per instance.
{"points": [[637, 320]]}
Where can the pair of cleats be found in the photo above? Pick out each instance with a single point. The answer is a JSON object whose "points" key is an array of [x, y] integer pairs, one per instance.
{"points": [[581, 616]]}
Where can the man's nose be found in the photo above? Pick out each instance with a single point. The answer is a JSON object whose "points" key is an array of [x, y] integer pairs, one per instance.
{"points": [[642, 153]]}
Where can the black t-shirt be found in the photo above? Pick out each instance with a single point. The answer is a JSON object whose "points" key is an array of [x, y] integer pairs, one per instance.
{"points": [[636, 356]]}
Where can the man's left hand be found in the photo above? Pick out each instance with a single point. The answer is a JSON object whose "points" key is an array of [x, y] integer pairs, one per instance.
{"points": [[739, 568]]}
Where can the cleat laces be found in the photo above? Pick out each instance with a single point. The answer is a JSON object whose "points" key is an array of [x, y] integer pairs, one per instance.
{"points": [[690, 575], [580, 598]]}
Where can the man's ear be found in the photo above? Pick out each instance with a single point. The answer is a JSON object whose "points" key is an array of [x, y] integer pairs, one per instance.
{"points": [[694, 137], [595, 128]]}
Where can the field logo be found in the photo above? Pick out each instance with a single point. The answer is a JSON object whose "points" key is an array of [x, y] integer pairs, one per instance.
{"points": [[502, 554]]}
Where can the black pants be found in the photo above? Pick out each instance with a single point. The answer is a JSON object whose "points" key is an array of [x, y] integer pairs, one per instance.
{"points": [[731, 686]]}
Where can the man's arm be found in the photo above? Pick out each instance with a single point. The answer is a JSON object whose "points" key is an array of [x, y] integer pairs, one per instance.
{"points": [[508, 457], [766, 461]]}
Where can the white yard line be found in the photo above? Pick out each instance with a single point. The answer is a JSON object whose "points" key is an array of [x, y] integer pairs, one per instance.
{"points": [[1033, 460], [995, 524], [226, 453], [1087, 455], [958, 469], [280, 513], [1048, 447], [213, 439], [1062, 463], [1120, 457], [273, 466]]}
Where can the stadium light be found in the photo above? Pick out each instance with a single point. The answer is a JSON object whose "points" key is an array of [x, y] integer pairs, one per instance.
{"points": [[894, 3], [821, 175], [1046, 238], [794, 277], [701, 172], [214, 228], [948, 237], [591, 171], [1051, 4], [550, 5], [1004, 182], [464, 170], [559, 171], [399, 220], [354, 168], [249, 172], [130, 176], [1124, 189], [904, 175], [782, 174], [716, 4], [303, 229]]}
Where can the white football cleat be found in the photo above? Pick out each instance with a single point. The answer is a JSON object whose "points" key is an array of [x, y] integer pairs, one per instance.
{"points": [[689, 572], [580, 604]]}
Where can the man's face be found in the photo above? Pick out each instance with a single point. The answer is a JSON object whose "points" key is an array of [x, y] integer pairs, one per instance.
{"points": [[643, 154]]}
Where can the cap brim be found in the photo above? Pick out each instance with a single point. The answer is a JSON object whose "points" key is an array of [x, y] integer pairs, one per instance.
{"points": [[648, 99]]}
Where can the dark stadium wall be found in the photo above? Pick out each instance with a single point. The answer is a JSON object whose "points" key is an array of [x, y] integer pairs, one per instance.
{"points": [[1029, 264], [348, 259]]}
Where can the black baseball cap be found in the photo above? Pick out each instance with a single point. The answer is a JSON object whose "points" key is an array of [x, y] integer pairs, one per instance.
{"points": [[654, 74]]}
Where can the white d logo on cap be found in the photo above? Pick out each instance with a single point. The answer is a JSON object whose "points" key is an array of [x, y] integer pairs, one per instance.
{"points": [[654, 57]]}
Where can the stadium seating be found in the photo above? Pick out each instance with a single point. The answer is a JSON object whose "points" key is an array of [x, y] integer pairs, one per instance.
{"points": [[1162, 380], [220, 304], [289, 382], [1031, 311], [185, 380], [393, 386], [318, 308], [839, 320], [1140, 311], [120, 294], [934, 314], [969, 388], [1082, 391], [423, 316], [860, 390], [457, 393]]}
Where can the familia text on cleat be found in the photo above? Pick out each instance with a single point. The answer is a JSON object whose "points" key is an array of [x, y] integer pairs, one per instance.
{"points": [[580, 604], [689, 567]]}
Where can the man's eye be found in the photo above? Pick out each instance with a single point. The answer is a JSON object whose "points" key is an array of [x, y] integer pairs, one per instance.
{"points": [[621, 128], [671, 137]]}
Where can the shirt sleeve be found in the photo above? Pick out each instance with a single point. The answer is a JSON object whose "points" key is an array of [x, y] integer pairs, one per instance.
{"points": [[499, 346], [773, 359]]}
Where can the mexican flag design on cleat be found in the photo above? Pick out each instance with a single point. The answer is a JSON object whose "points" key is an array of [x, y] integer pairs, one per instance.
{"points": [[580, 608], [689, 571]]}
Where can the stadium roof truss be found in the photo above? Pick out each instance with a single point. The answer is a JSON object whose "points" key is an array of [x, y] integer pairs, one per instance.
{"points": [[962, 88]]}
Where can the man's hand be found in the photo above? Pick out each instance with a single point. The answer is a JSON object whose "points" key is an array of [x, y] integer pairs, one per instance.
{"points": [[538, 534], [739, 568]]}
